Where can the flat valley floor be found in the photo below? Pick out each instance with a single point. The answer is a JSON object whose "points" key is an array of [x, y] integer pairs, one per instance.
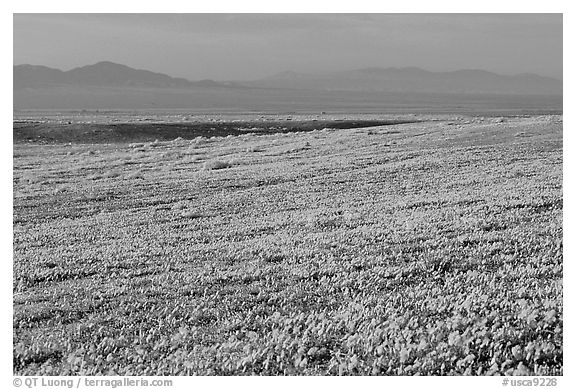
{"points": [[431, 248]]}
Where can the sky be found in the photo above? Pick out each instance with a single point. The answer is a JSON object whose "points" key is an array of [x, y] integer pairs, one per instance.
{"points": [[252, 46]]}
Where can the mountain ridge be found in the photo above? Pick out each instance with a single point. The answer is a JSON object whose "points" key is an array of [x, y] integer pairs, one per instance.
{"points": [[103, 73], [390, 79], [413, 79], [109, 85]]}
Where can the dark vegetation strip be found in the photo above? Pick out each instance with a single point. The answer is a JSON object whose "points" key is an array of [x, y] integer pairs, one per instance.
{"points": [[24, 132]]}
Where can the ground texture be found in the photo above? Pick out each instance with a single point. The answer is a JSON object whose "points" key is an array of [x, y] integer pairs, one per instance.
{"points": [[430, 248]]}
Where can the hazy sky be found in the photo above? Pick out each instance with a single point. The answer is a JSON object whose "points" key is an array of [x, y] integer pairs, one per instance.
{"points": [[251, 46]]}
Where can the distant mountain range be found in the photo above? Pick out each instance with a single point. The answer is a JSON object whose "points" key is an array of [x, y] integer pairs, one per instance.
{"points": [[111, 85], [412, 80], [101, 74]]}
